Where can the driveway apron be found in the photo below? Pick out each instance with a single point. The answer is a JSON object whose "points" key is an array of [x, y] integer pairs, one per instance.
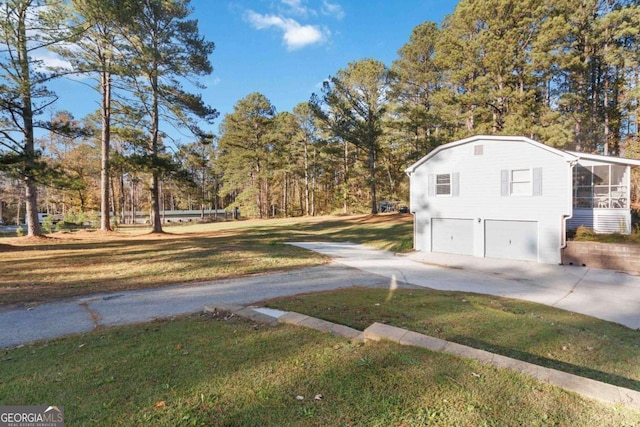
{"points": [[605, 294]]}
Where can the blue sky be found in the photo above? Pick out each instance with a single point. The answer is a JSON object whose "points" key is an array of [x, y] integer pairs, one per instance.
{"points": [[284, 49]]}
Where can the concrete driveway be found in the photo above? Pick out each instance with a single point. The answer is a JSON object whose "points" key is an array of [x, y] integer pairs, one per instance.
{"points": [[604, 294]]}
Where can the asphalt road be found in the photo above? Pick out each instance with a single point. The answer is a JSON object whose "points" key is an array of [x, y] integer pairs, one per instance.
{"points": [[604, 294], [56, 319]]}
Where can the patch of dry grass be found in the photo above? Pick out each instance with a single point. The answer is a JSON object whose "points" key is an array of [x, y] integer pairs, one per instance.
{"points": [[67, 264]]}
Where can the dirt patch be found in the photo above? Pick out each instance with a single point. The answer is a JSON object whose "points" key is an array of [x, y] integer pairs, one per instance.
{"points": [[32, 239]]}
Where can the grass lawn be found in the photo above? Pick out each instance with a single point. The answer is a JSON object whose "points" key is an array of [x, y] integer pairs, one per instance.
{"points": [[82, 263], [230, 372], [213, 370], [523, 330]]}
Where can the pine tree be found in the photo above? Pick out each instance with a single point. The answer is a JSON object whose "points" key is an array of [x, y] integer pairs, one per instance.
{"points": [[356, 102], [245, 147], [25, 28], [165, 49]]}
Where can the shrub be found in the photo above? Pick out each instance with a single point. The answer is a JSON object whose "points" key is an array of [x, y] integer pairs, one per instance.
{"points": [[74, 221], [47, 224], [585, 233]]}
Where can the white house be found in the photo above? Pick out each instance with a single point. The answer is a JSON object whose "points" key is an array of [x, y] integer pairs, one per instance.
{"points": [[512, 197]]}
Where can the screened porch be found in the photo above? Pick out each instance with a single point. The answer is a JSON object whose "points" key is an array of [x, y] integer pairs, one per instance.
{"points": [[601, 196], [601, 186]]}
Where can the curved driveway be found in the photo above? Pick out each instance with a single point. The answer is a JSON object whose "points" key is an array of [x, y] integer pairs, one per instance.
{"points": [[605, 294], [599, 293]]}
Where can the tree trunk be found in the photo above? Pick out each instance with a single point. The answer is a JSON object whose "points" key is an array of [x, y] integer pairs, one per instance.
{"points": [[105, 220], [155, 149], [313, 184], [33, 225], [203, 190], [372, 178], [31, 214], [306, 178], [285, 200], [345, 184], [133, 202], [122, 199], [156, 220]]}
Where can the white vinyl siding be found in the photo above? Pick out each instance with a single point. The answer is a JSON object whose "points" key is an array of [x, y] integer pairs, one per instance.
{"points": [[484, 195]]}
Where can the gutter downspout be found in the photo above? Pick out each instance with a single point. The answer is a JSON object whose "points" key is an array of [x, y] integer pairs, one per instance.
{"points": [[565, 218], [411, 211]]}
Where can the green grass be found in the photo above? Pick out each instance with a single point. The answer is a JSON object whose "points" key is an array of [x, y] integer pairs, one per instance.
{"points": [[230, 372], [82, 263], [527, 331], [204, 370]]}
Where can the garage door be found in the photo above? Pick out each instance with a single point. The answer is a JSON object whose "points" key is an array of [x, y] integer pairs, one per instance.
{"points": [[511, 239], [454, 236]]}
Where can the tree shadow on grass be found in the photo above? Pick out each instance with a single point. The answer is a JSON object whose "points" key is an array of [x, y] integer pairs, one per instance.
{"points": [[559, 365]]}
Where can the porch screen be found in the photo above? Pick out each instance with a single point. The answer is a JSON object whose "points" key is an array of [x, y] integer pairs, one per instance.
{"points": [[600, 186]]}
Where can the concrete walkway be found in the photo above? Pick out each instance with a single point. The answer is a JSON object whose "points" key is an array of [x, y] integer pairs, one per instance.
{"points": [[605, 294]]}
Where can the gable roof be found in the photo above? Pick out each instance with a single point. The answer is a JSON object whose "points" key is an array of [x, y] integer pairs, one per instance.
{"points": [[569, 157], [606, 159]]}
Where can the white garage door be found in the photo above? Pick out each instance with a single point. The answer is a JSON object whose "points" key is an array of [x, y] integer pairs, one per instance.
{"points": [[511, 239], [454, 236]]}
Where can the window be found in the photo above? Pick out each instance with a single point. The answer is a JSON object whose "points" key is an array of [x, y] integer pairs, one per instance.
{"points": [[521, 182], [443, 184]]}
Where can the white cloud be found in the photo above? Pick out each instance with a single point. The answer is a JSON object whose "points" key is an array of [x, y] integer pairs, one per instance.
{"points": [[295, 35], [47, 60], [296, 7], [332, 9]]}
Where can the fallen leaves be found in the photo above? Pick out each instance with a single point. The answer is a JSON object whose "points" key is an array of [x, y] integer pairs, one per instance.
{"points": [[318, 396]]}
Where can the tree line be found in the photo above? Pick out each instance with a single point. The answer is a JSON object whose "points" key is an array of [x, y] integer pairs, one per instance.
{"points": [[563, 72], [140, 55]]}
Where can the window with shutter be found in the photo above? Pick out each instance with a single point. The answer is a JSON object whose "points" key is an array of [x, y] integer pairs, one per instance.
{"points": [[521, 182], [444, 184]]}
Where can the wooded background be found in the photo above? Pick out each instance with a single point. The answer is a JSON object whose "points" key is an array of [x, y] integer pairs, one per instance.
{"points": [[563, 72]]}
